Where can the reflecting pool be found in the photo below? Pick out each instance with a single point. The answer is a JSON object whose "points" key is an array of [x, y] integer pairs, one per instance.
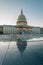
{"points": [[21, 49]]}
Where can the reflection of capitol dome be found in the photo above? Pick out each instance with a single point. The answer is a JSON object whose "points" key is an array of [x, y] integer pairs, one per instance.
{"points": [[21, 19], [21, 45]]}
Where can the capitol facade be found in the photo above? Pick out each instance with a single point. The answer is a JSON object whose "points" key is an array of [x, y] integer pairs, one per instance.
{"points": [[20, 27]]}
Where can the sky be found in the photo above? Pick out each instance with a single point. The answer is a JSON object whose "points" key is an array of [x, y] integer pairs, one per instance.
{"points": [[11, 9]]}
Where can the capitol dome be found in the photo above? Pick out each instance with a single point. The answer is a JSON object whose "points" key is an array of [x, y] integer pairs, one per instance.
{"points": [[21, 18]]}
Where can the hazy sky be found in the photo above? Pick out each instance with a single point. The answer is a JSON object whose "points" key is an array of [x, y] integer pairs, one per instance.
{"points": [[10, 10]]}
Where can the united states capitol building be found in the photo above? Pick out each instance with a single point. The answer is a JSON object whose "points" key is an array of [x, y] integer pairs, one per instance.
{"points": [[20, 27]]}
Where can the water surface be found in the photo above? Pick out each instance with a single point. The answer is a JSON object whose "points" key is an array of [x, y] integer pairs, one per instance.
{"points": [[14, 51]]}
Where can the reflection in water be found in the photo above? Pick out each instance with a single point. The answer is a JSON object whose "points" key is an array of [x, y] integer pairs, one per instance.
{"points": [[21, 45], [33, 54], [23, 37], [21, 52]]}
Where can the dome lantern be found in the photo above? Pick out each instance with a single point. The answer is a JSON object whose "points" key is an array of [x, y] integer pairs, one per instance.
{"points": [[21, 12]]}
